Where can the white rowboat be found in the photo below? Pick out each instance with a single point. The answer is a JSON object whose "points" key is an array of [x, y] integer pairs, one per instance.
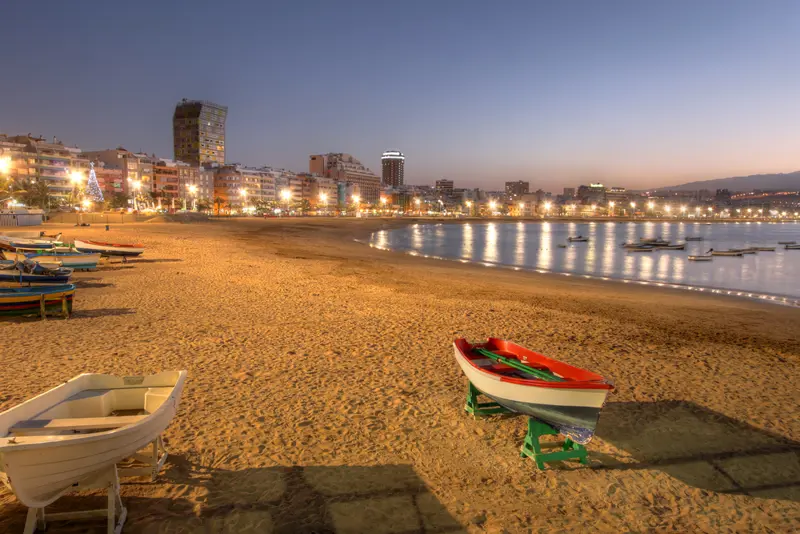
{"points": [[73, 432]]}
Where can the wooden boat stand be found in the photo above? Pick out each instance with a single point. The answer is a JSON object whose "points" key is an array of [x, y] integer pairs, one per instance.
{"points": [[64, 307], [531, 446], [115, 512], [108, 479]]}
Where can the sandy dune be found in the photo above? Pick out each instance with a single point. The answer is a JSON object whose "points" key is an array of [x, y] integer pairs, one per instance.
{"points": [[323, 395]]}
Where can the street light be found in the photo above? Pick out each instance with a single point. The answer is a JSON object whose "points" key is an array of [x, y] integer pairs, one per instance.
{"points": [[323, 197], [668, 209], [137, 185], [651, 205], [5, 164], [357, 201], [492, 206], [611, 207], [193, 192], [243, 194], [383, 204], [547, 206], [521, 208]]}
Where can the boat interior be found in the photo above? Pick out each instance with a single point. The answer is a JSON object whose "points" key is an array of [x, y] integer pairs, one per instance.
{"points": [[94, 410]]}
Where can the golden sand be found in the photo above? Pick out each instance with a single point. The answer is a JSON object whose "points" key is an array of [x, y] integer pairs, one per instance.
{"points": [[323, 395]]}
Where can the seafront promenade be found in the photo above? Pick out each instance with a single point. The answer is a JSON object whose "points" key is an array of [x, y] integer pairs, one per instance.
{"points": [[323, 394]]}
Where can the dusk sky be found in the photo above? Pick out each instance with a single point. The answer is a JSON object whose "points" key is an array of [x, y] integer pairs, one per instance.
{"points": [[633, 93]]}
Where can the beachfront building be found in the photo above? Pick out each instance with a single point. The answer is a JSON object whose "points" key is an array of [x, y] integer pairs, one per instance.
{"points": [[52, 162], [345, 168], [444, 187], [14, 161], [517, 189], [198, 132], [392, 167], [137, 169], [237, 187], [111, 180]]}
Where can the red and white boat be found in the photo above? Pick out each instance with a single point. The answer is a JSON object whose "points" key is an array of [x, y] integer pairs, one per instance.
{"points": [[565, 397], [109, 249]]}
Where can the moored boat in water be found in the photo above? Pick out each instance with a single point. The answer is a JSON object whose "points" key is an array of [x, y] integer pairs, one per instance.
{"points": [[577, 239], [725, 253], [792, 247], [566, 397], [109, 249], [787, 242], [693, 238], [708, 257]]}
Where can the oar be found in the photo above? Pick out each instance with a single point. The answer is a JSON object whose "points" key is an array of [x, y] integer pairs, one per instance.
{"points": [[516, 364]]}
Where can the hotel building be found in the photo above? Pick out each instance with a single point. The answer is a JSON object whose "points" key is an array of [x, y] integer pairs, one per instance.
{"points": [[198, 132], [36, 159], [392, 164]]}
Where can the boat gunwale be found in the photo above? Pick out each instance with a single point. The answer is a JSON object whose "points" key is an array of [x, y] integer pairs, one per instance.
{"points": [[534, 382]]}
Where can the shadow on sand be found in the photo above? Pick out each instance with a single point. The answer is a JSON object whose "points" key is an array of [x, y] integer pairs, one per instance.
{"points": [[85, 284], [701, 448], [100, 312], [281, 500], [161, 260]]}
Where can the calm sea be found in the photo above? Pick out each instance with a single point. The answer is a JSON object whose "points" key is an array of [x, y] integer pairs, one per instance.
{"points": [[535, 246]]}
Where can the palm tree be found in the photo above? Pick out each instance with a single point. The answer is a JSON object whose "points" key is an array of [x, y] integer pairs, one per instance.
{"points": [[218, 202]]}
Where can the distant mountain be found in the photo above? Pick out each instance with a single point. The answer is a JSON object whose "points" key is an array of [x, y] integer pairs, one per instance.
{"points": [[768, 182]]}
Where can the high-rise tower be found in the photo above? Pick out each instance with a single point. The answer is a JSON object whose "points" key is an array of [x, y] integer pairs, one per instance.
{"points": [[198, 132], [392, 162]]}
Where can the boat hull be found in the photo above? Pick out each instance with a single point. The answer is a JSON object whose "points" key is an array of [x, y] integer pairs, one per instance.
{"points": [[74, 458], [27, 301], [108, 249], [573, 411], [73, 261]]}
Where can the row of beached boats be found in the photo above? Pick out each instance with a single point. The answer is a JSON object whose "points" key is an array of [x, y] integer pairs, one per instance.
{"points": [[49, 263]]}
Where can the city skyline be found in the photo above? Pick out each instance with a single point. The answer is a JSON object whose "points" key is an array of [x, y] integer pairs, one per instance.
{"points": [[634, 95]]}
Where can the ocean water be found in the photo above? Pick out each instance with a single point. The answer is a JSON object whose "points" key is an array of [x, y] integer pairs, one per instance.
{"points": [[771, 276]]}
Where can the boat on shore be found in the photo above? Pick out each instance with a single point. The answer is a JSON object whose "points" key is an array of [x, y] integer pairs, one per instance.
{"points": [[73, 259], [577, 239], [708, 257], [726, 253], [109, 249], [80, 428], [19, 301], [29, 272], [566, 397], [14, 243]]}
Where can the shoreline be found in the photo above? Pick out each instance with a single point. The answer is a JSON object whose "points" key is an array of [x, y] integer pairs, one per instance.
{"points": [[322, 392]]}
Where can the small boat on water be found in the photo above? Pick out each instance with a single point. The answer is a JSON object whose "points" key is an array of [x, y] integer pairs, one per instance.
{"points": [[750, 250], [566, 397], [577, 239], [765, 249], [792, 247], [28, 300], [29, 272], [708, 257], [725, 253], [787, 242], [81, 428], [680, 246], [109, 249], [693, 238], [640, 249], [73, 259]]}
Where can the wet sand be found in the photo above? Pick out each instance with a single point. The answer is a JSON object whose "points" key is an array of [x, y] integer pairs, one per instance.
{"points": [[323, 395]]}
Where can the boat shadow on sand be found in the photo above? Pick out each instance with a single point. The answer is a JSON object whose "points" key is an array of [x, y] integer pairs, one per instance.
{"points": [[701, 448], [318, 499]]}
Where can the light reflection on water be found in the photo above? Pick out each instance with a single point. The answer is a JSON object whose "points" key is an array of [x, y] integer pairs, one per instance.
{"points": [[536, 246]]}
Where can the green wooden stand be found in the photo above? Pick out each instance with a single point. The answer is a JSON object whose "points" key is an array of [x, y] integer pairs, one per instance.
{"points": [[474, 407], [532, 448]]}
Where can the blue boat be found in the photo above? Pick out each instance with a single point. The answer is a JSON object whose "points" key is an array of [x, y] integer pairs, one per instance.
{"points": [[13, 243], [29, 272]]}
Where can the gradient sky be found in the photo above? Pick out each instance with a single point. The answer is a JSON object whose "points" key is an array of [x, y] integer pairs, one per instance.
{"points": [[633, 93]]}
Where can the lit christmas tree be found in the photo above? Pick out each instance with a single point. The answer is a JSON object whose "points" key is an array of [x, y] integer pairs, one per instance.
{"points": [[92, 187]]}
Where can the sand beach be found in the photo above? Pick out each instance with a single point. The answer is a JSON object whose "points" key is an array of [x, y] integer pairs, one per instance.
{"points": [[323, 395]]}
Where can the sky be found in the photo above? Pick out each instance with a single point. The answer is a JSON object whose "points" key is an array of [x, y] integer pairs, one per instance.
{"points": [[630, 93]]}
